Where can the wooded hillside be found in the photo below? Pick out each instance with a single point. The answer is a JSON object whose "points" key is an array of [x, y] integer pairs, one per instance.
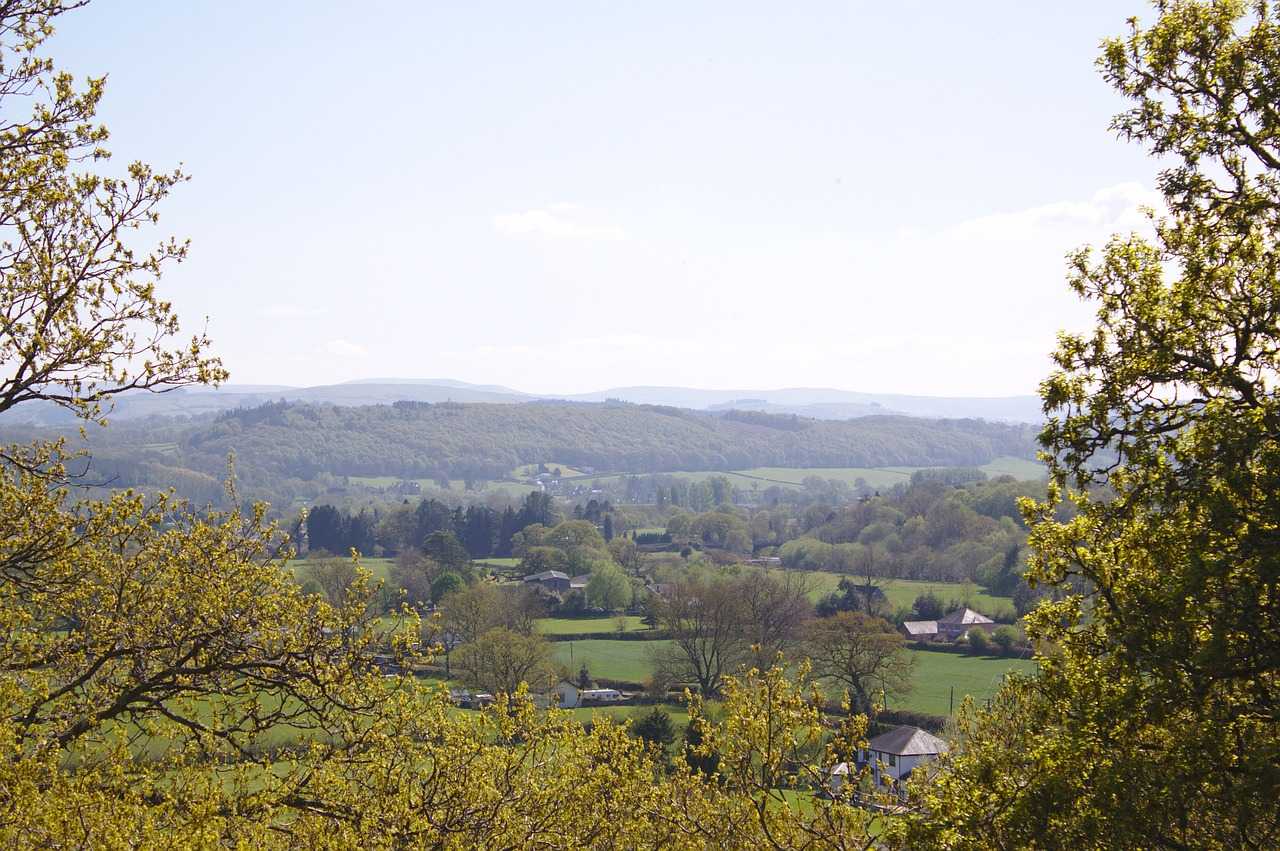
{"points": [[485, 441]]}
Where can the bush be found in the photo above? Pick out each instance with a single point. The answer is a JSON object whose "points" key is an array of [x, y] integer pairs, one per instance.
{"points": [[979, 641], [655, 727], [928, 606], [1007, 637]]}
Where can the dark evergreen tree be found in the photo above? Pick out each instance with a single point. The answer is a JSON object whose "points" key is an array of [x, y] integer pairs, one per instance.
{"points": [[327, 529]]}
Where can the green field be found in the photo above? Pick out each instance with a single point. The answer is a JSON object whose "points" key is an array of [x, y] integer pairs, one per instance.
{"points": [[902, 593], [610, 659], [499, 562], [876, 477], [569, 626], [528, 471], [936, 673]]}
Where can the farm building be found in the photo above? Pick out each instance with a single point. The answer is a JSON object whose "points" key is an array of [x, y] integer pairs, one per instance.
{"points": [[550, 580], [895, 754], [572, 697], [948, 628]]}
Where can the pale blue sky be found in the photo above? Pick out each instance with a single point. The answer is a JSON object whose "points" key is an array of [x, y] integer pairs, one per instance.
{"points": [[562, 197]]}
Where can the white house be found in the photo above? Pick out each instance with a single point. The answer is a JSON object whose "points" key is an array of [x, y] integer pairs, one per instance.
{"points": [[568, 695], [571, 697], [893, 755], [837, 777]]}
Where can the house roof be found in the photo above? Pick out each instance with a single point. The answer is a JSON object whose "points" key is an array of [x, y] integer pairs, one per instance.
{"points": [[920, 627], [580, 581], [545, 575], [908, 741], [961, 616]]}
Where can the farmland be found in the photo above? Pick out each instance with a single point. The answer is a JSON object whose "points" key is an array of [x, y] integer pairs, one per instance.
{"points": [[935, 672], [876, 477], [610, 659], [902, 593], [571, 626]]}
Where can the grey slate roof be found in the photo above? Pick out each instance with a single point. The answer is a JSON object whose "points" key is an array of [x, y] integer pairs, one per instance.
{"points": [[545, 575], [920, 627], [908, 741], [962, 616]]}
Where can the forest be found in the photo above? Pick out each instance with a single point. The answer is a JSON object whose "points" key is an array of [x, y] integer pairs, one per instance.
{"points": [[281, 449]]}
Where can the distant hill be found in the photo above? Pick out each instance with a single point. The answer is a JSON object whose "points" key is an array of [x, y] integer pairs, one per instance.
{"points": [[284, 441], [815, 403], [828, 403]]}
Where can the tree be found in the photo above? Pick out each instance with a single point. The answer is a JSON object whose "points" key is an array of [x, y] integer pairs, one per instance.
{"points": [[445, 584], [584, 677], [1006, 637], [608, 587], [539, 559], [626, 553], [775, 606], [705, 620], [863, 654], [470, 611], [1160, 688], [414, 575], [928, 606], [655, 728], [500, 660], [333, 576], [445, 549], [327, 530], [978, 640]]}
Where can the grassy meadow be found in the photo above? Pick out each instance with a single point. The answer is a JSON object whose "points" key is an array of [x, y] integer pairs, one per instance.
{"points": [[902, 593], [570, 626]]}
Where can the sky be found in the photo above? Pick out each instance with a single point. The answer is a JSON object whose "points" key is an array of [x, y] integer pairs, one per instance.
{"points": [[564, 197]]}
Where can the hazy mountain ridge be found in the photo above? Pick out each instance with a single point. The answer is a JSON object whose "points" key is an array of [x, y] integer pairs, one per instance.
{"points": [[817, 403]]}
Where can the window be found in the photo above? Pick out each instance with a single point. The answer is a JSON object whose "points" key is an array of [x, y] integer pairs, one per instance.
{"points": [[892, 759]]}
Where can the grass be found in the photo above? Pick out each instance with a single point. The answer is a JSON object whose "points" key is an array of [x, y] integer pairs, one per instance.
{"points": [[679, 716], [876, 477], [499, 562], [568, 626], [936, 673], [609, 659], [903, 592], [527, 471]]}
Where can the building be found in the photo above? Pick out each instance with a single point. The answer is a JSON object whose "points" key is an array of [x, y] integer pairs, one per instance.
{"points": [[550, 580], [571, 697], [895, 754], [960, 621], [578, 583], [949, 628], [920, 630]]}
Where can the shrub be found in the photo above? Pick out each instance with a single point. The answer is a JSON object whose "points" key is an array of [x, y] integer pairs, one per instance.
{"points": [[1007, 637], [928, 606], [655, 727], [979, 641]]}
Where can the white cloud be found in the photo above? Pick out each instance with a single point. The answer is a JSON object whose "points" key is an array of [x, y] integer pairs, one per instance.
{"points": [[346, 349], [556, 221], [1113, 209]]}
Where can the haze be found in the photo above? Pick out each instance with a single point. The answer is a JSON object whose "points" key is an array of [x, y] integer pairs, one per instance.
{"points": [[874, 197]]}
